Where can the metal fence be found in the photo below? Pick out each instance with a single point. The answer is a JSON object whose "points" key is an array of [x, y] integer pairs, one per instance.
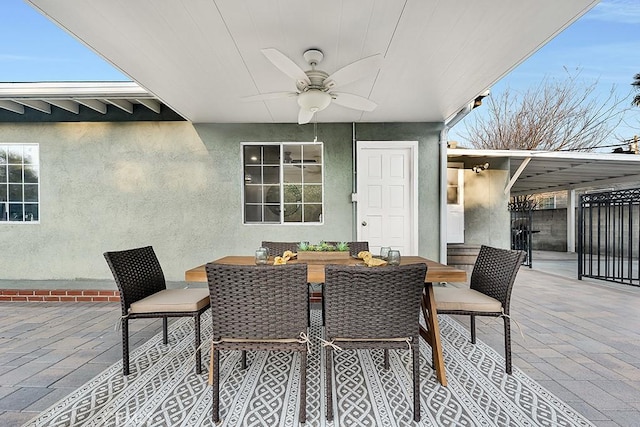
{"points": [[521, 210], [609, 236]]}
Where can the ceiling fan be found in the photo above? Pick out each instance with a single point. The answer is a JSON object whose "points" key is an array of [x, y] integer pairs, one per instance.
{"points": [[314, 87]]}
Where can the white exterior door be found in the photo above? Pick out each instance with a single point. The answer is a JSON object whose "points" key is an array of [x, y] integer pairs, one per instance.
{"points": [[387, 199], [455, 203]]}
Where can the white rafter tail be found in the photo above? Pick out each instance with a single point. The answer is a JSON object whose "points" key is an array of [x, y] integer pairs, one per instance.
{"points": [[354, 71], [151, 104], [286, 65], [70, 106], [352, 101], [269, 96], [122, 104], [11, 106], [94, 104], [41, 106], [304, 116]]}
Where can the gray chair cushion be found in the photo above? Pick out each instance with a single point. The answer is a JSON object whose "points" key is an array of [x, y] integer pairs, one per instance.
{"points": [[172, 300], [464, 299]]}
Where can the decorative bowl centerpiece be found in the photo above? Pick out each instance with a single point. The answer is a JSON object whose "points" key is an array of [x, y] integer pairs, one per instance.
{"points": [[323, 251]]}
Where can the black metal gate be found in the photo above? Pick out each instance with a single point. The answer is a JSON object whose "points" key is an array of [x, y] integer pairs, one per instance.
{"points": [[609, 237], [521, 209]]}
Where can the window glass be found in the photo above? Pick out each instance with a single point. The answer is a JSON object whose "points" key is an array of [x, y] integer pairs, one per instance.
{"points": [[312, 194], [272, 213], [252, 155], [19, 183], [15, 154], [313, 213], [253, 213], [30, 153], [312, 174], [452, 186], [15, 173], [30, 193], [312, 154], [31, 174], [15, 192], [271, 154], [252, 175], [271, 174], [292, 153], [292, 173], [31, 212], [293, 212], [283, 182]]}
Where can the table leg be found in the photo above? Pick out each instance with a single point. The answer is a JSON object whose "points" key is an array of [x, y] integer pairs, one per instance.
{"points": [[431, 333]]}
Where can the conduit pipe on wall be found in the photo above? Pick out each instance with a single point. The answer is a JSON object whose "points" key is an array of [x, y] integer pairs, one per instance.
{"points": [[444, 133], [354, 184]]}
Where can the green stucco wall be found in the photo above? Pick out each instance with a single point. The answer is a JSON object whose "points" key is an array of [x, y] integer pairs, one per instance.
{"points": [[177, 186]]}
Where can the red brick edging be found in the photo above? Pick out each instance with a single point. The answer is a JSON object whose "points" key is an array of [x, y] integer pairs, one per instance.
{"points": [[315, 297], [78, 295], [58, 295]]}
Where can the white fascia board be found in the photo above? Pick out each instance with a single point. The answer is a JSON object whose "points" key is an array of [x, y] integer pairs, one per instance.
{"points": [[74, 89], [523, 154]]}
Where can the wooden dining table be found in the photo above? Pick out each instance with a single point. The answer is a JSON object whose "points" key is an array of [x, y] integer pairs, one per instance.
{"points": [[436, 272]]}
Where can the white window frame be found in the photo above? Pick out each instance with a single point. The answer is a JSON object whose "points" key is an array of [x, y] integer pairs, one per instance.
{"points": [[281, 183], [4, 213]]}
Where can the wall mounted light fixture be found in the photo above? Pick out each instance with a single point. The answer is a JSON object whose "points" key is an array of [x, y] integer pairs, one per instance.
{"points": [[480, 168]]}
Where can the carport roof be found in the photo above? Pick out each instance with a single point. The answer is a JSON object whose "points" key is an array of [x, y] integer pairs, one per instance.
{"points": [[542, 171]]}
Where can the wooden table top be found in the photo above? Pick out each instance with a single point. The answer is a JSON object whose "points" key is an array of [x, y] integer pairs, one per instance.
{"points": [[436, 272]]}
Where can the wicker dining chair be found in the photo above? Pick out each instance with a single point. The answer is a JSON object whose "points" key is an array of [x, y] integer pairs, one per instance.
{"points": [[258, 308], [144, 294], [356, 247], [278, 248], [489, 294], [373, 308]]}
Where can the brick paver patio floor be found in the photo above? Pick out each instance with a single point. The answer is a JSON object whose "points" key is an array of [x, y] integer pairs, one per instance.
{"points": [[581, 341]]}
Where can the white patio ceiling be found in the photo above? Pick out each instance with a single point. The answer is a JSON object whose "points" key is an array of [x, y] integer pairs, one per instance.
{"points": [[200, 57], [554, 171]]}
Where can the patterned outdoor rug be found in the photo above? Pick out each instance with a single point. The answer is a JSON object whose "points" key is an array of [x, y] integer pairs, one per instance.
{"points": [[163, 389]]}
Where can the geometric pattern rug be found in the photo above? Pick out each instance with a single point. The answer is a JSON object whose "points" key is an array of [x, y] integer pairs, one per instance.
{"points": [[163, 389]]}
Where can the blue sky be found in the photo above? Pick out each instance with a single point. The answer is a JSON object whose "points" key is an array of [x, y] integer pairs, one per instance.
{"points": [[604, 44], [34, 49]]}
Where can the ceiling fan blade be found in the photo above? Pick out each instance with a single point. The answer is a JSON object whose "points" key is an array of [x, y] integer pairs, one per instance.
{"points": [[354, 71], [304, 116], [286, 65], [268, 96], [355, 102]]}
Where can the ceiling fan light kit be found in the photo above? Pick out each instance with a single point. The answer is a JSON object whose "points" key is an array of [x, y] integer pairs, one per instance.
{"points": [[313, 87], [314, 100]]}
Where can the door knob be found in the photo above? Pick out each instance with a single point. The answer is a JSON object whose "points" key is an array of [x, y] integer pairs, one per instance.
{"points": [[364, 223]]}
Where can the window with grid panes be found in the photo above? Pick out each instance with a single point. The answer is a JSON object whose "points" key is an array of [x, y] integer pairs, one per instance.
{"points": [[19, 183], [283, 183]]}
